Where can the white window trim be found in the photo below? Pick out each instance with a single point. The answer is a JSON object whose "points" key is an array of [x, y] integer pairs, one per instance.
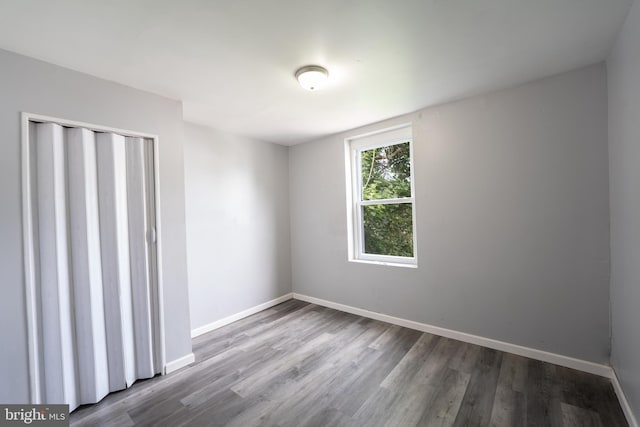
{"points": [[355, 227]]}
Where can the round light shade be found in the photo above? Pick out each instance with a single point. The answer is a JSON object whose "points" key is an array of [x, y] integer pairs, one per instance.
{"points": [[312, 77]]}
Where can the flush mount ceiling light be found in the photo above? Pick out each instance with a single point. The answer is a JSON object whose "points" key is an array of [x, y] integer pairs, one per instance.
{"points": [[312, 77]]}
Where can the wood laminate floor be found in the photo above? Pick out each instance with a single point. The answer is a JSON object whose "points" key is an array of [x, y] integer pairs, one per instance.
{"points": [[299, 364]]}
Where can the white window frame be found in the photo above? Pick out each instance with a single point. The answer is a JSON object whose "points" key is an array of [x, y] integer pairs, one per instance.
{"points": [[355, 225]]}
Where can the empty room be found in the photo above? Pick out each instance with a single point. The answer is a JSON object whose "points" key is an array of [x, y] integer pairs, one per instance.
{"points": [[338, 213]]}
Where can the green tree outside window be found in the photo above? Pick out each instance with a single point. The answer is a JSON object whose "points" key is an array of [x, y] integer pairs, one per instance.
{"points": [[386, 177]]}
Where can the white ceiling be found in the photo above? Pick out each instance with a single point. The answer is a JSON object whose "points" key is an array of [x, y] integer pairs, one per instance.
{"points": [[232, 62]]}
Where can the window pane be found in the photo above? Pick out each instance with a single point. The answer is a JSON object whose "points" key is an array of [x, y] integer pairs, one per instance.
{"points": [[386, 172], [388, 229]]}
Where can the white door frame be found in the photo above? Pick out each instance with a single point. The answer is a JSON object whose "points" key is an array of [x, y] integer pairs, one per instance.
{"points": [[35, 376]]}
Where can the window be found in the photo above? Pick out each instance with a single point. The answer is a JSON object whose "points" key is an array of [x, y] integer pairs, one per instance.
{"points": [[381, 205]]}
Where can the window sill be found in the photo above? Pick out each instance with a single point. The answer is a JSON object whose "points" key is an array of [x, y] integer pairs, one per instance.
{"points": [[384, 263]]}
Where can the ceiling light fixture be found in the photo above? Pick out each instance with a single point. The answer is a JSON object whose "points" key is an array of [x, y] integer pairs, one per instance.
{"points": [[312, 77]]}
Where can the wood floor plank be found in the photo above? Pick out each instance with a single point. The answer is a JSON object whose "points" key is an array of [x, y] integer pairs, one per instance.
{"points": [[465, 359], [231, 329], [274, 370], [299, 364], [513, 372], [573, 416], [218, 346], [542, 395], [257, 415], [411, 363], [508, 408], [349, 354], [111, 418], [477, 404], [381, 407], [329, 417], [312, 395], [244, 365], [444, 406], [435, 365], [220, 411], [370, 374], [282, 318]]}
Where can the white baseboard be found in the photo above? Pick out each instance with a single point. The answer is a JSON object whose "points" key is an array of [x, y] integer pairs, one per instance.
{"points": [[557, 359], [624, 403], [183, 361], [241, 315]]}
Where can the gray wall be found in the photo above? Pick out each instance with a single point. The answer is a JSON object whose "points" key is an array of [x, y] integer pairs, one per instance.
{"points": [[37, 87], [512, 219], [237, 201], [624, 166]]}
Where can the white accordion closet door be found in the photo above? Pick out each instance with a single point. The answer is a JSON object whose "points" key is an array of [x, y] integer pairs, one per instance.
{"points": [[95, 272]]}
